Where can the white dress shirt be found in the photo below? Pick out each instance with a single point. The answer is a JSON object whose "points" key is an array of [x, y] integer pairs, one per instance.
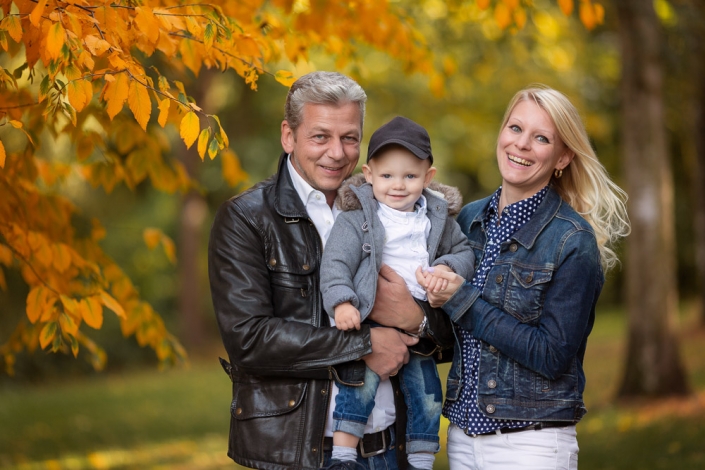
{"points": [[405, 237], [383, 415]]}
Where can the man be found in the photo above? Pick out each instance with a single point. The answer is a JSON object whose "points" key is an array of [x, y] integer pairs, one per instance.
{"points": [[264, 255]]}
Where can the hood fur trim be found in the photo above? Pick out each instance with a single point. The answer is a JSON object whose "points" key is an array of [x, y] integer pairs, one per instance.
{"points": [[348, 201]]}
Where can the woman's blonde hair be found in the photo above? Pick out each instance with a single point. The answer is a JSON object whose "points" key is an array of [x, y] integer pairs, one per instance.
{"points": [[585, 183]]}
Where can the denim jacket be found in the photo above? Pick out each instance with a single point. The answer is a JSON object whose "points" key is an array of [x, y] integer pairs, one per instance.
{"points": [[533, 315]]}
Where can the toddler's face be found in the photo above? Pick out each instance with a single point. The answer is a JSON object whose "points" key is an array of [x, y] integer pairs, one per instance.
{"points": [[398, 177]]}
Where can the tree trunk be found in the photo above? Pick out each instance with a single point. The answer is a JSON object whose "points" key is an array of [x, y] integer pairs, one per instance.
{"points": [[696, 28], [193, 213], [653, 364]]}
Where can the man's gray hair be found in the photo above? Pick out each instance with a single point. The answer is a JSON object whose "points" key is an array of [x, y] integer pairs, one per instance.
{"points": [[322, 88]]}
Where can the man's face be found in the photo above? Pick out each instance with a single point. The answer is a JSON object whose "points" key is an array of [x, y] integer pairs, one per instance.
{"points": [[326, 146]]}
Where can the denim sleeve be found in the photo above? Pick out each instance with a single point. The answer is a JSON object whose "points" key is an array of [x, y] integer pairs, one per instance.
{"points": [[547, 346]]}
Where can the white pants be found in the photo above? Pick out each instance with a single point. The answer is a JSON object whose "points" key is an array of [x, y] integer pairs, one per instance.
{"points": [[545, 449]]}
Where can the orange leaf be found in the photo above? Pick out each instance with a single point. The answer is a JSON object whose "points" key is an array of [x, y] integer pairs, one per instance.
{"points": [[116, 93], [67, 324], [107, 300], [55, 40], [140, 104], [95, 44], [62, 257], [587, 15], [12, 24], [77, 94], [502, 15], [36, 302], [189, 128], [37, 13], [152, 236], [47, 334], [566, 6], [147, 23], [3, 155], [92, 312], [483, 4], [203, 142], [163, 111]]}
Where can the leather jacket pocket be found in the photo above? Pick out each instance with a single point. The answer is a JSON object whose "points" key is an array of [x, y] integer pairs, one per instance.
{"points": [[257, 400], [526, 291]]}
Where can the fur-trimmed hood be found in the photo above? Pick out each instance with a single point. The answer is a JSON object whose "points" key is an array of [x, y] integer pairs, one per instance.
{"points": [[347, 200]]}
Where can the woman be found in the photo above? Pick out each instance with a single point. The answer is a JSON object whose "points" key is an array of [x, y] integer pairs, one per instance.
{"points": [[543, 242]]}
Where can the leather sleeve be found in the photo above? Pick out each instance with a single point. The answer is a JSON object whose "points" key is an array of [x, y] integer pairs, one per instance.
{"points": [[269, 320]]}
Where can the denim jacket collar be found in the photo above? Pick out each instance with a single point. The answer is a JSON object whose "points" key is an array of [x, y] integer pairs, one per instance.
{"points": [[526, 236]]}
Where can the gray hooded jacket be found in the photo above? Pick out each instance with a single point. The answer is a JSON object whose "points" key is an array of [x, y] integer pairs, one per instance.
{"points": [[353, 254]]}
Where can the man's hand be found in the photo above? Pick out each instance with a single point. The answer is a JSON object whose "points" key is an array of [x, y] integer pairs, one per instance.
{"points": [[394, 306], [389, 351]]}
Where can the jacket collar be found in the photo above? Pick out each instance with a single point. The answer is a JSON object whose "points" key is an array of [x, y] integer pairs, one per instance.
{"points": [[526, 236], [287, 202]]}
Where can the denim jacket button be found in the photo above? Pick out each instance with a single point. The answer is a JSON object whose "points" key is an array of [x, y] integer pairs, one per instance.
{"points": [[492, 384], [513, 247], [493, 349], [499, 279], [490, 409], [530, 277]]}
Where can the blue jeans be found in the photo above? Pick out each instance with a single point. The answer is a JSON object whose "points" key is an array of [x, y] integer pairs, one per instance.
{"points": [[423, 396], [385, 461]]}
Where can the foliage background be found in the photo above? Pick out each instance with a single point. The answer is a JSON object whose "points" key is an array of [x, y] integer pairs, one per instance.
{"points": [[482, 65]]}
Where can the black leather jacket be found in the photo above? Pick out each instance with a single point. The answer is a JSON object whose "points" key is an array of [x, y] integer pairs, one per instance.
{"points": [[263, 261]]}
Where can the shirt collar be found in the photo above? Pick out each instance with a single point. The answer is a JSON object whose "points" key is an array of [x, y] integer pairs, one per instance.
{"points": [[419, 210], [303, 189]]}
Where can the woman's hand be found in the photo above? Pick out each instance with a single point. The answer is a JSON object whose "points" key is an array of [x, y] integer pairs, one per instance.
{"points": [[440, 284]]}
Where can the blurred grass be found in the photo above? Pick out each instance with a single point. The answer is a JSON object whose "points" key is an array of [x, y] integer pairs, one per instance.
{"points": [[178, 419]]}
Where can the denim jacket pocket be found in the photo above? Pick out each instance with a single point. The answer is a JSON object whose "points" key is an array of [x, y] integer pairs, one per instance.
{"points": [[526, 290]]}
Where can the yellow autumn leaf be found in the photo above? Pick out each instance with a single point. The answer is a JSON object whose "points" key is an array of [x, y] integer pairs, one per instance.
{"points": [[232, 171], [284, 77], [55, 40], [47, 334], [68, 325], [36, 302], [520, 17], [13, 26], [203, 142], [3, 155], [223, 135], [189, 128], [107, 300], [163, 111], [92, 312], [169, 249], [147, 23], [77, 94], [95, 44], [209, 36], [151, 237], [36, 15], [599, 11], [213, 148], [62, 257], [140, 104], [116, 93], [70, 305], [566, 6]]}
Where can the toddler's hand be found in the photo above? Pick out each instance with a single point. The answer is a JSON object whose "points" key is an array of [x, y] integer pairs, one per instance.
{"points": [[347, 317]]}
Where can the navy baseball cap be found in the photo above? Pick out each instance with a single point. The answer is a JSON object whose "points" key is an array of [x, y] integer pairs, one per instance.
{"points": [[404, 132]]}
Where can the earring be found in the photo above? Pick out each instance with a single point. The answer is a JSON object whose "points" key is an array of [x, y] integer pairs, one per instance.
{"points": [[557, 173]]}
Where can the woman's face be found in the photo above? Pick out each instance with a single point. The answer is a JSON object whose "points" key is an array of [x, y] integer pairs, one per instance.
{"points": [[528, 151]]}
